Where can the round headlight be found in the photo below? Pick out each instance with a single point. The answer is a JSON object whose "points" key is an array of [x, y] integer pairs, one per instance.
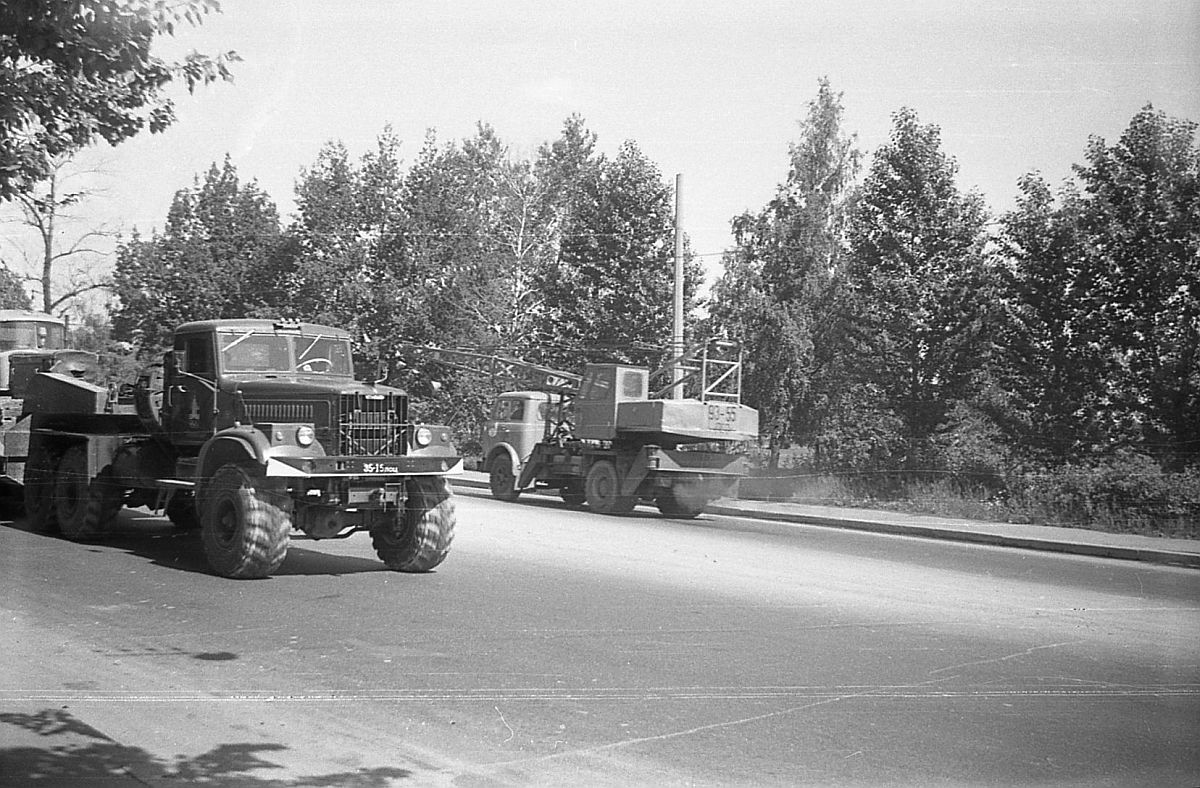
{"points": [[424, 436], [305, 435]]}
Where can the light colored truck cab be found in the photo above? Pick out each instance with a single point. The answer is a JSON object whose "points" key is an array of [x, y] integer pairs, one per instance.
{"points": [[518, 421]]}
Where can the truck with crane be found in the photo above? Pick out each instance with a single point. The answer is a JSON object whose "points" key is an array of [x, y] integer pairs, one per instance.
{"points": [[254, 432], [604, 439]]}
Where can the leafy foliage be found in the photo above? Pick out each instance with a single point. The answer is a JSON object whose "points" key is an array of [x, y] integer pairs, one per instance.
{"points": [[611, 287], [608, 291], [1142, 235], [217, 257], [919, 288], [1105, 300], [12, 290], [73, 71], [778, 291]]}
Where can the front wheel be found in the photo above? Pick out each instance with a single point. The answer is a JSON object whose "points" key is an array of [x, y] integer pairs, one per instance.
{"points": [[418, 537], [501, 478], [245, 524]]}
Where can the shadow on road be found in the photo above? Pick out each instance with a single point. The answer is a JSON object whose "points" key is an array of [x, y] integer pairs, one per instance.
{"points": [[154, 538], [551, 501], [75, 753]]}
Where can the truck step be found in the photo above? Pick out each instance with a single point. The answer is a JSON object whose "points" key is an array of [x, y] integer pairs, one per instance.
{"points": [[175, 484]]}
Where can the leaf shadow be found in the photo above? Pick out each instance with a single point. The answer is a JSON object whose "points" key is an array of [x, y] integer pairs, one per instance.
{"points": [[78, 754]]}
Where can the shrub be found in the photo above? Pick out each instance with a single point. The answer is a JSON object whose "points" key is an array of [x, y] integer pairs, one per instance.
{"points": [[1123, 492]]}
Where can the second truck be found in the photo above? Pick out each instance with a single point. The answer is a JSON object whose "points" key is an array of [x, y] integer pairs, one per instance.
{"points": [[604, 439]]}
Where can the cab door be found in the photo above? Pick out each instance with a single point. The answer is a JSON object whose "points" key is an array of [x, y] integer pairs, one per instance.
{"points": [[518, 420], [190, 395]]}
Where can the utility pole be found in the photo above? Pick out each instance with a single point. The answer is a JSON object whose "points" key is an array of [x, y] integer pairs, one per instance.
{"points": [[677, 347]]}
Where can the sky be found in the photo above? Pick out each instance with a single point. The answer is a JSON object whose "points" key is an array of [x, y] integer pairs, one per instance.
{"points": [[713, 91]]}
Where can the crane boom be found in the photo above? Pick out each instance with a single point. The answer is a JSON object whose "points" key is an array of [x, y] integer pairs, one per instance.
{"points": [[510, 370]]}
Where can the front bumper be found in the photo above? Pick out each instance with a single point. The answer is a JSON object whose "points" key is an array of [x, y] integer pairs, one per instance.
{"points": [[350, 467]]}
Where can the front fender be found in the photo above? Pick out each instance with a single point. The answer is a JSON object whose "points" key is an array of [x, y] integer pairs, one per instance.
{"points": [[504, 449], [242, 444]]}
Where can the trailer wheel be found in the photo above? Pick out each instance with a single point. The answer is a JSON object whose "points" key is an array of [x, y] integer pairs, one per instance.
{"points": [[603, 490], [245, 524], [83, 506], [39, 497], [572, 494], [686, 500], [417, 538], [501, 478]]}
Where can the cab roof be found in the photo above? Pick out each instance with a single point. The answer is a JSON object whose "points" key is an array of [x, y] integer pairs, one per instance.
{"points": [[12, 315], [261, 327]]}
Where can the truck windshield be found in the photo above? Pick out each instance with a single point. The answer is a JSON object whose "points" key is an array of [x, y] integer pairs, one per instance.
{"points": [[30, 334], [249, 351]]}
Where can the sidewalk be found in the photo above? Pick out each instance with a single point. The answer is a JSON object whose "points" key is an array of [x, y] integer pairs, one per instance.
{"points": [[1076, 541]]}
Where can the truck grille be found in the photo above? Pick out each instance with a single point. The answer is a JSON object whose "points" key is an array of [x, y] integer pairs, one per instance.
{"points": [[371, 426], [295, 412]]}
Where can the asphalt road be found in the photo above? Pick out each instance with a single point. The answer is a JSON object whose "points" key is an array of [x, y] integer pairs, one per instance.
{"points": [[558, 647]]}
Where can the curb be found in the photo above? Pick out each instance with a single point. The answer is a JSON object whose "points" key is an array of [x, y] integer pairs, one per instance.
{"points": [[1095, 550], [1190, 560]]}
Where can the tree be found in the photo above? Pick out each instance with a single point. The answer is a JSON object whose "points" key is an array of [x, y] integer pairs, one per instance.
{"points": [[1142, 267], [217, 257], [46, 210], [561, 170], [12, 290], [73, 71], [339, 224], [776, 293], [608, 293], [1050, 364], [919, 287], [1103, 334], [518, 240]]}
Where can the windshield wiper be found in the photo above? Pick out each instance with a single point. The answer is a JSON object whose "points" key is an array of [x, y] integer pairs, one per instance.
{"points": [[311, 345], [237, 341]]}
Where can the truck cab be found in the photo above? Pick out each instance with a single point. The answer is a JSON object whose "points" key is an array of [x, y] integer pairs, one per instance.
{"points": [[217, 371], [519, 421], [32, 342]]}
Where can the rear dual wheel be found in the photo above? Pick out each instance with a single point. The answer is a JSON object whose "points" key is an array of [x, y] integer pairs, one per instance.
{"points": [[603, 490], [39, 495], [682, 499], [84, 507]]}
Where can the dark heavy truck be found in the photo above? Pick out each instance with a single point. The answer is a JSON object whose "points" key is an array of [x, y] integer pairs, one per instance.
{"points": [[603, 439], [251, 430]]}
